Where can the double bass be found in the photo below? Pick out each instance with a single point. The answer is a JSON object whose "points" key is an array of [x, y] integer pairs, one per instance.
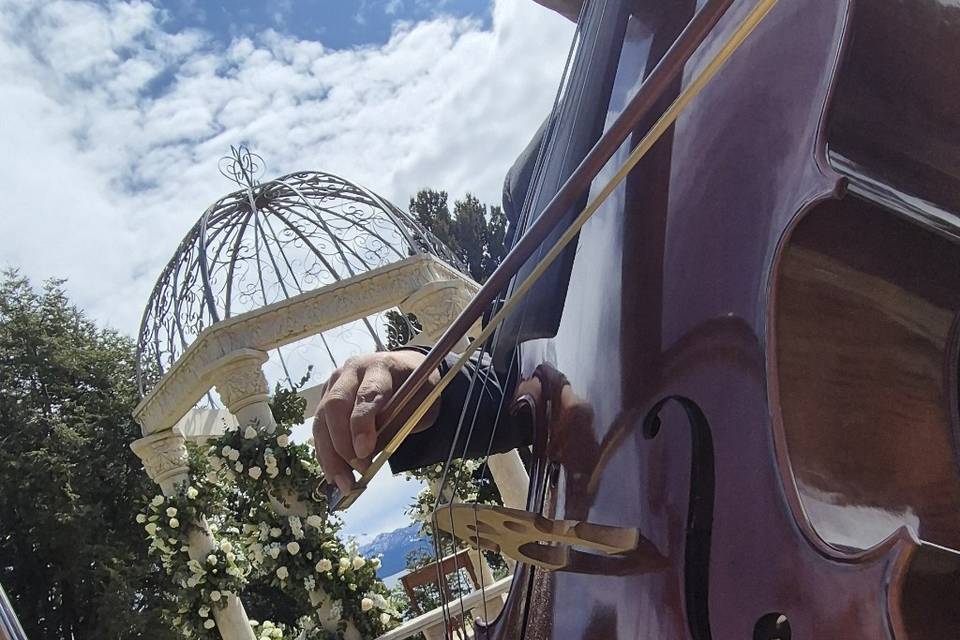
{"points": [[737, 308]]}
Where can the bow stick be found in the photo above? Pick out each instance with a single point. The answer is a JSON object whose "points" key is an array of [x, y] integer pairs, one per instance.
{"points": [[392, 435]]}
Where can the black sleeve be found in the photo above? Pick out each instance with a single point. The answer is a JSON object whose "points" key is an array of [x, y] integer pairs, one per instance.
{"points": [[433, 445]]}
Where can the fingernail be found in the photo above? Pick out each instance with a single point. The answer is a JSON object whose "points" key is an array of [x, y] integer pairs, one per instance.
{"points": [[359, 464], [363, 444], [344, 482]]}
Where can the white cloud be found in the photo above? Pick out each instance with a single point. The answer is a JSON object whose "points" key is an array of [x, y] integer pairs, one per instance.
{"points": [[111, 127]]}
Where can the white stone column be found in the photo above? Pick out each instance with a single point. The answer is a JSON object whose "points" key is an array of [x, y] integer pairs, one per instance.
{"points": [[511, 478], [243, 388], [513, 482], [164, 457]]}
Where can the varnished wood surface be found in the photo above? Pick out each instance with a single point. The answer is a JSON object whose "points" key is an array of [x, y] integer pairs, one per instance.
{"points": [[866, 352], [673, 295]]}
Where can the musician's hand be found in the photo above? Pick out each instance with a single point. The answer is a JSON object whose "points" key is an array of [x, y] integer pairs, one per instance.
{"points": [[345, 426]]}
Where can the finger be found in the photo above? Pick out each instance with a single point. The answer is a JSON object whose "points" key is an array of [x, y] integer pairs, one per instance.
{"points": [[372, 394], [335, 469], [337, 405]]}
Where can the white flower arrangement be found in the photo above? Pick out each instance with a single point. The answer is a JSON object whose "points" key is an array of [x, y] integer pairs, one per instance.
{"points": [[292, 551]]}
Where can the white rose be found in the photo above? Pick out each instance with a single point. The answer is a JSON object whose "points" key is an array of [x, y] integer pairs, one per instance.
{"points": [[358, 563], [231, 557], [324, 565], [231, 476], [282, 573], [254, 472], [211, 559], [274, 552], [157, 500], [275, 532], [366, 604], [384, 618], [238, 467], [249, 433], [273, 472], [226, 546], [234, 455], [171, 511], [193, 581], [174, 523], [215, 596], [212, 477], [293, 548], [216, 463], [225, 452], [344, 563], [204, 611], [315, 521], [283, 440], [192, 493], [209, 624], [141, 518]]}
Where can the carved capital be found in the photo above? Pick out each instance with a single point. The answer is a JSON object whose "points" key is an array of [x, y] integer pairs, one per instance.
{"points": [[164, 456], [437, 304], [239, 379]]}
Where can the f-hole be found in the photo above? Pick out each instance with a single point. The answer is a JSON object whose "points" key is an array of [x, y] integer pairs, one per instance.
{"points": [[696, 575]]}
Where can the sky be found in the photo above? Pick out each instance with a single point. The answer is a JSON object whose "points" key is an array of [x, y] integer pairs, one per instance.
{"points": [[113, 116]]}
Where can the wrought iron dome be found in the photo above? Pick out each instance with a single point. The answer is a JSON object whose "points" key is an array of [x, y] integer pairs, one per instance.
{"points": [[266, 242]]}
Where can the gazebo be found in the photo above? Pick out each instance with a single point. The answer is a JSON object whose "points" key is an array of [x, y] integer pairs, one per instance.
{"points": [[280, 271]]}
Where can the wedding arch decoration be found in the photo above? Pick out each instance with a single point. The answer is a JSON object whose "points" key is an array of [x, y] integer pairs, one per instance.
{"points": [[298, 259]]}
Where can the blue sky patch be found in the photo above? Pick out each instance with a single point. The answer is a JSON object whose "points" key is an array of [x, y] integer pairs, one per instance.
{"points": [[338, 24]]}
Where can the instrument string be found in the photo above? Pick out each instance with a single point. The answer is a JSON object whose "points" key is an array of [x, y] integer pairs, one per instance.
{"points": [[663, 123], [544, 151], [564, 110]]}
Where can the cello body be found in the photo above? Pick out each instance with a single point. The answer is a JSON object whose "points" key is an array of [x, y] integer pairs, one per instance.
{"points": [[757, 357]]}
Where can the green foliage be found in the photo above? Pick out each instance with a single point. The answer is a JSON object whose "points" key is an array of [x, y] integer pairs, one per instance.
{"points": [[400, 329], [477, 236], [71, 555], [255, 488]]}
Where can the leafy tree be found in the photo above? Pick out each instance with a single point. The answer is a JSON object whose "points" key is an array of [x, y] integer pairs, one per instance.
{"points": [[72, 556], [477, 236], [431, 210]]}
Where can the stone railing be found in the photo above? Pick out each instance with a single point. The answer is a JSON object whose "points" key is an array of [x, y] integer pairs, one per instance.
{"points": [[432, 624]]}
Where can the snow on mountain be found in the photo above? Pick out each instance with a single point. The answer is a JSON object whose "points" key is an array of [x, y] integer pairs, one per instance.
{"points": [[394, 546]]}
